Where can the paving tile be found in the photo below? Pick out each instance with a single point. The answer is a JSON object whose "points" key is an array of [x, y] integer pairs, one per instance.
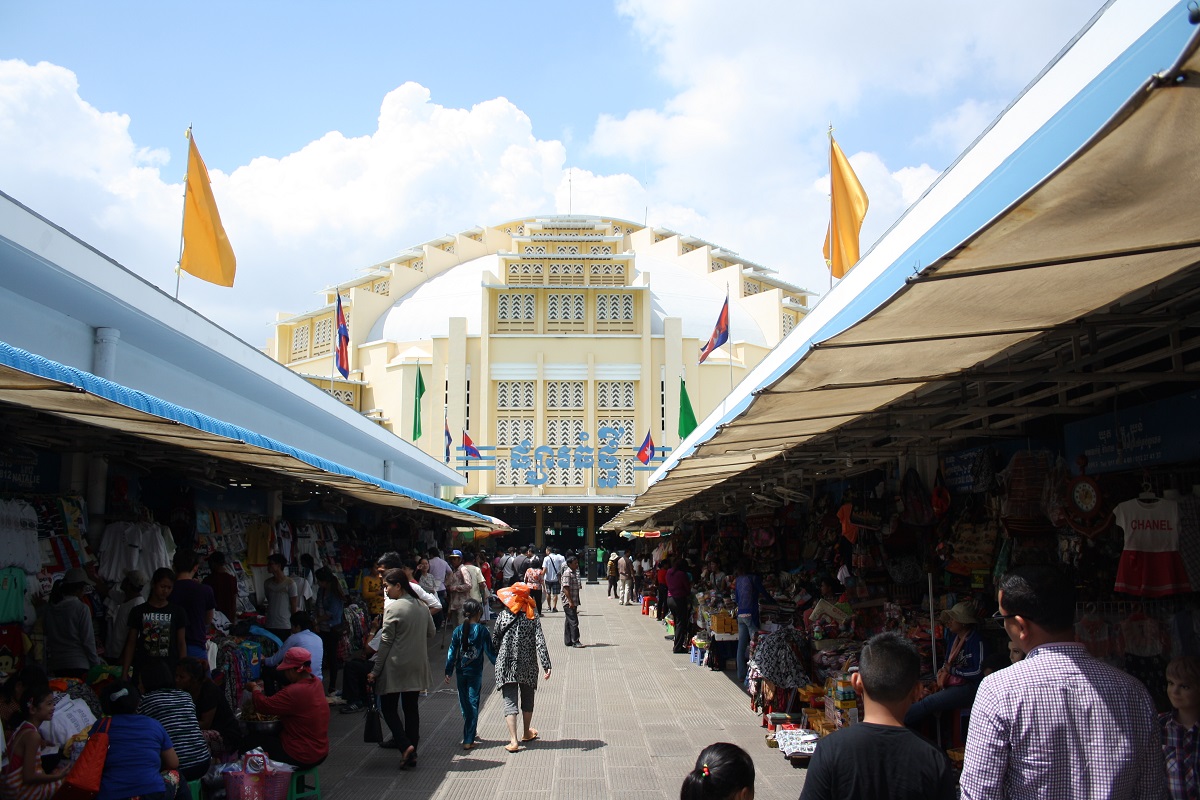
{"points": [[625, 720]]}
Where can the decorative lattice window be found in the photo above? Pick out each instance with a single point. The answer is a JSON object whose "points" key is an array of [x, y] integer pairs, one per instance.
{"points": [[343, 396], [300, 340], [658, 239], [716, 265], [419, 265], [625, 472], [614, 312], [381, 287], [750, 287], [601, 249], [514, 394], [516, 312], [614, 394], [570, 249], [563, 432], [323, 337], [526, 273], [565, 312], [504, 473], [607, 273], [618, 230], [564, 395], [564, 476], [789, 324], [535, 249], [520, 230], [625, 424], [449, 248], [687, 248], [566, 274], [510, 432]]}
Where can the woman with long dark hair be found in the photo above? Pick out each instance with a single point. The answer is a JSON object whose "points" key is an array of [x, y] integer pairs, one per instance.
{"points": [[401, 670], [723, 771]]}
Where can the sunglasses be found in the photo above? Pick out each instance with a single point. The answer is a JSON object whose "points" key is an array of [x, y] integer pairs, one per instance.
{"points": [[998, 615]]}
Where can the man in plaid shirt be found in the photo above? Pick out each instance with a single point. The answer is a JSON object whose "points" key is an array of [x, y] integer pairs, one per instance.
{"points": [[1060, 724], [571, 586]]}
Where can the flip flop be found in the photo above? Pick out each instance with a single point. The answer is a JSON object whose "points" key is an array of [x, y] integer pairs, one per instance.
{"points": [[533, 734], [512, 749]]}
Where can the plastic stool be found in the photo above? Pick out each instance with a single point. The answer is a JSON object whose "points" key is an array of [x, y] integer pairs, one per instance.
{"points": [[645, 606], [298, 789], [197, 789]]}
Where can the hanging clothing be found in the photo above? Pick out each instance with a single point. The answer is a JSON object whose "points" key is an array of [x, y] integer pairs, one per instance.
{"points": [[1151, 565]]}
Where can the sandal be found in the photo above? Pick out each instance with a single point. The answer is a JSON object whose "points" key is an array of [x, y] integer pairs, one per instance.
{"points": [[409, 759], [512, 749], [470, 746], [533, 734]]}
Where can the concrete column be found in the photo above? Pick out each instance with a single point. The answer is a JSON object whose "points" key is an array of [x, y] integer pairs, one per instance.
{"points": [[104, 365]]}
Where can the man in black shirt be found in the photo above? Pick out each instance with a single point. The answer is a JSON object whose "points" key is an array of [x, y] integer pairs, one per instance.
{"points": [[521, 563], [878, 758]]}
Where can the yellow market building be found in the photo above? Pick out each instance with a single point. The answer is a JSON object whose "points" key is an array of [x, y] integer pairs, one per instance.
{"points": [[557, 344]]}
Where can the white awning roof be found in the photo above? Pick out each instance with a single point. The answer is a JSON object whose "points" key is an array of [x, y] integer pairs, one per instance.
{"points": [[1082, 193]]}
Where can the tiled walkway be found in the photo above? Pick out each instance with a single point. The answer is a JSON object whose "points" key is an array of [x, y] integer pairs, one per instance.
{"points": [[622, 718]]}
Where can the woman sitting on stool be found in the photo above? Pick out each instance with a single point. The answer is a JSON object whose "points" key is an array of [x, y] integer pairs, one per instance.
{"points": [[301, 707], [960, 675]]}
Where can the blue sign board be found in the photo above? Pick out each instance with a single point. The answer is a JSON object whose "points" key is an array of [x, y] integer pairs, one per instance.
{"points": [[1161, 432]]}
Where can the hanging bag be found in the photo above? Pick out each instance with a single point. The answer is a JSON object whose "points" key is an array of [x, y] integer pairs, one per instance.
{"points": [[372, 725], [83, 781]]}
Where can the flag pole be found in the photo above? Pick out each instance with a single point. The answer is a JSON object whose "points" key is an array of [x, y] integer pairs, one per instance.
{"points": [[832, 207], [182, 217]]}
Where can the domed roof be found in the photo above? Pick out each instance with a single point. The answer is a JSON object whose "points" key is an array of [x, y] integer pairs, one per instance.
{"points": [[425, 311]]}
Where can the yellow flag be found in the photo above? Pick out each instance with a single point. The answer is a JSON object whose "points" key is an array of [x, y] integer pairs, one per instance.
{"points": [[848, 207], [207, 253]]}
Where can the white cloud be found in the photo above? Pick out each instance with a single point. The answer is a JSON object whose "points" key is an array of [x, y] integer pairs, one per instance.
{"points": [[737, 154]]}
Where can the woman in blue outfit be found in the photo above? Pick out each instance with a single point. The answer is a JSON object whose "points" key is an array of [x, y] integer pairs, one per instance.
{"points": [[747, 589], [469, 644], [141, 760], [962, 670]]}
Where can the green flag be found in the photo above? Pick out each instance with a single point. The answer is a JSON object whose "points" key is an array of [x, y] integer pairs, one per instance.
{"points": [[687, 417], [417, 405]]}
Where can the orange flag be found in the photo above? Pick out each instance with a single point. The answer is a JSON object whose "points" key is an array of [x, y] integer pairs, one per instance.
{"points": [[207, 253], [848, 207]]}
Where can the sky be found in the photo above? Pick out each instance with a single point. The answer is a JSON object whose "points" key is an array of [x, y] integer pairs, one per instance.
{"points": [[337, 135]]}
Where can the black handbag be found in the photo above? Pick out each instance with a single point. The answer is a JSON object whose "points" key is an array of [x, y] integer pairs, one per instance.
{"points": [[373, 725]]}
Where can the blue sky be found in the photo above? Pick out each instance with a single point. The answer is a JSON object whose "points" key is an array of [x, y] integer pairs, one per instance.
{"points": [[339, 134]]}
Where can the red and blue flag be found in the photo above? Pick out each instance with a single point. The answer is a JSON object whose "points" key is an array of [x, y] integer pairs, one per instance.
{"points": [[645, 453], [449, 440], [341, 355], [469, 447], [720, 334]]}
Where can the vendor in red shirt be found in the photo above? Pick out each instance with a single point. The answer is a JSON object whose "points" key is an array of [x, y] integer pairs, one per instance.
{"points": [[660, 580], [303, 710]]}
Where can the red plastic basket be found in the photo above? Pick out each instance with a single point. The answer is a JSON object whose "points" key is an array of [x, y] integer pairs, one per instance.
{"points": [[257, 785]]}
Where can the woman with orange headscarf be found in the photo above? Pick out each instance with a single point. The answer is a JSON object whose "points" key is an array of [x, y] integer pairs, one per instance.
{"points": [[520, 644]]}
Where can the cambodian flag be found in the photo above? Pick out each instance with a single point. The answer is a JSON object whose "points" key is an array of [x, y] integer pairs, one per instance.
{"points": [[469, 447], [645, 453], [341, 355], [720, 334], [449, 440]]}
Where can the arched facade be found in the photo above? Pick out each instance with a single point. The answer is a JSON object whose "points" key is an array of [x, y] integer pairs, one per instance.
{"points": [[556, 343]]}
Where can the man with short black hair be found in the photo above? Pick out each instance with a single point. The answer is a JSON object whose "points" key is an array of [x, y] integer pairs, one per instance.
{"points": [[554, 564], [508, 567], [571, 586], [520, 563], [878, 758], [1060, 723]]}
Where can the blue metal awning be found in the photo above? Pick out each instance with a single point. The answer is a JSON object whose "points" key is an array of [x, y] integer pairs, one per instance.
{"points": [[37, 383]]}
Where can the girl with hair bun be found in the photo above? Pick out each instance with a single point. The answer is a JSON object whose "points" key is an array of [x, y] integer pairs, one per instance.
{"points": [[723, 771]]}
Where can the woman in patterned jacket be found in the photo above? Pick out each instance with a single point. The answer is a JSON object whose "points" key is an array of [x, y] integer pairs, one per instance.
{"points": [[520, 644]]}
